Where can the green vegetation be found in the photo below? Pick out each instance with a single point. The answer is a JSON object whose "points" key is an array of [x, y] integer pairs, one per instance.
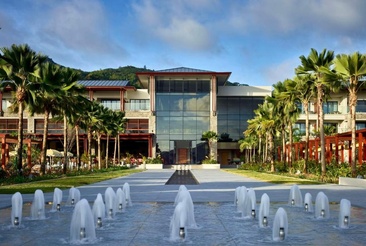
{"points": [[49, 182], [121, 73], [270, 177]]}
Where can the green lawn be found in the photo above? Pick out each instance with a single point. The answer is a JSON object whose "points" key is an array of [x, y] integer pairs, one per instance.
{"points": [[64, 182], [272, 178]]}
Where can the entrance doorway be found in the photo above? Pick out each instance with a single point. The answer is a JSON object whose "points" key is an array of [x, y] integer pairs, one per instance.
{"points": [[183, 151]]}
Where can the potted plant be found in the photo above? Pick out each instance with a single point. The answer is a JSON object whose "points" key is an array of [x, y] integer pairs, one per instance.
{"points": [[154, 162], [210, 163]]}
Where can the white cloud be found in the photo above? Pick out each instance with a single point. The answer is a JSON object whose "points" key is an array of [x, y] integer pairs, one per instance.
{"points": [[281, 71]]}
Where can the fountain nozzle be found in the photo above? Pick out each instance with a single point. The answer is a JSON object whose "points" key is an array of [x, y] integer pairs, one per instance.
{"points": [[58, 207], [265, 221], [292, 202], [82, 233], [182, 233], [253, 213], [306, 207], [120, 206], [322, 213], [16, 221], [345, 220], [72, 201], [282, 233], [110, 213], [99, 222]]}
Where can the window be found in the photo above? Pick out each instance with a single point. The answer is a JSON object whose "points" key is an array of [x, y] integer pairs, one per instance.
{"points": [[361, 106], [299, 128], [53, 127], [5, 104], [137, 126], [11, 125], [113, 104], [139, 104], [330, 107]]}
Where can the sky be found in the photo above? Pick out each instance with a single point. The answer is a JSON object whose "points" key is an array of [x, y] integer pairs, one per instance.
{"points": [[258, 41]]}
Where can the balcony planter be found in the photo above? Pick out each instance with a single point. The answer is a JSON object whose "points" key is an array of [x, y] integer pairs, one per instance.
{"points": [[210, 166], [154, 166]]}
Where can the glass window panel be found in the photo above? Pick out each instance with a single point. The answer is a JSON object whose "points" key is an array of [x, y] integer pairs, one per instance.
{"points": [[189, 125], [190, 103], [176, 137], [162, 86], [190, 86], [162, 102], [189, 136], [176, 102], [176, 125], [162, 125], [203, 102]]}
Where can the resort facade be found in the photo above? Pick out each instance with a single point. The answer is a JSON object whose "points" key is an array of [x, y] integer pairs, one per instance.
{"points": [[168, 115]]}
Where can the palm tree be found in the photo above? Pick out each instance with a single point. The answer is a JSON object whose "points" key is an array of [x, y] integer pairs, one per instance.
{"points": [[312, 65], [349, 69], [19, 66], [209, 137], [46, 101], [303, 88]]}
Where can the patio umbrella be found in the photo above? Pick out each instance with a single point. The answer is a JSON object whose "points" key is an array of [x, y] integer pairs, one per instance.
{"points": [[69, 154], [54, 153]]}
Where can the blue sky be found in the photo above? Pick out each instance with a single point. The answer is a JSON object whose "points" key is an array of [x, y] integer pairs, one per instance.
{"points": [[259, 41]]}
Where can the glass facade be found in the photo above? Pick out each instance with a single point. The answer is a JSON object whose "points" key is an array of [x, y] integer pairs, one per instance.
{"points": [[182, 115], [233, 114]]}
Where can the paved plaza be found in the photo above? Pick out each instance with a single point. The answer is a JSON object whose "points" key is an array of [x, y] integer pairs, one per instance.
{"points": [[146, 222]]}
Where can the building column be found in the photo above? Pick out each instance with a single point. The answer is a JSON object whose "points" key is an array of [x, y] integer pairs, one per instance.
{"points": [[122, 100]]}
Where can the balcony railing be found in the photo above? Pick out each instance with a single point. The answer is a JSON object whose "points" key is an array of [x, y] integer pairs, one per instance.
{"points": [[144, 106]]}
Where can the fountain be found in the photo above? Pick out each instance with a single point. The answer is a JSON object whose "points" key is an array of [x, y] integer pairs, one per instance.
{"points": [[344, 214], [57, 199], [126, 190], [253, 201], [308, 203], [82, 227], [74, 196], [244, 203], [37, 208], [179, 222], [16, 209], [121, 200], [321, 206], [295, 197], [110, 202], [99, 210], [264, 211], [185, 197], [280, 225], [237, 190]]}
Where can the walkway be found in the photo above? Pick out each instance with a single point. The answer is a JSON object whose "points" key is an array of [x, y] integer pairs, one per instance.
{"points": [[150, 194]]}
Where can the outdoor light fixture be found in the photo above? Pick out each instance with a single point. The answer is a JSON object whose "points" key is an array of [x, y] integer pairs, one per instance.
{"points": [[265, 221], [253, 213], [58, 207], [292, 202], [110, 213], [99, 222], [120, 206], [16, 221], [322, 213], [282, 233], [72, 201], [345, 220], [306, 207], [82, 233], [182, 233]]}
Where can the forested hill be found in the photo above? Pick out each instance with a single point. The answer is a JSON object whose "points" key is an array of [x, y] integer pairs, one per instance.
{"points": [[121, 73]]}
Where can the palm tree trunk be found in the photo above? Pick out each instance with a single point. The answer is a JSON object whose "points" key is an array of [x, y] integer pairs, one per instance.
{"points": [[77, 146], [119, 147], [266, 152], [259, 147], [20, 140], [107, 151], [89, 149], [306, 108], [283, 154], [290, 156], [353, 102], [321, 128], [99, 152], [271, 152], [115, 151], [66, 159], [44, 143]]}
